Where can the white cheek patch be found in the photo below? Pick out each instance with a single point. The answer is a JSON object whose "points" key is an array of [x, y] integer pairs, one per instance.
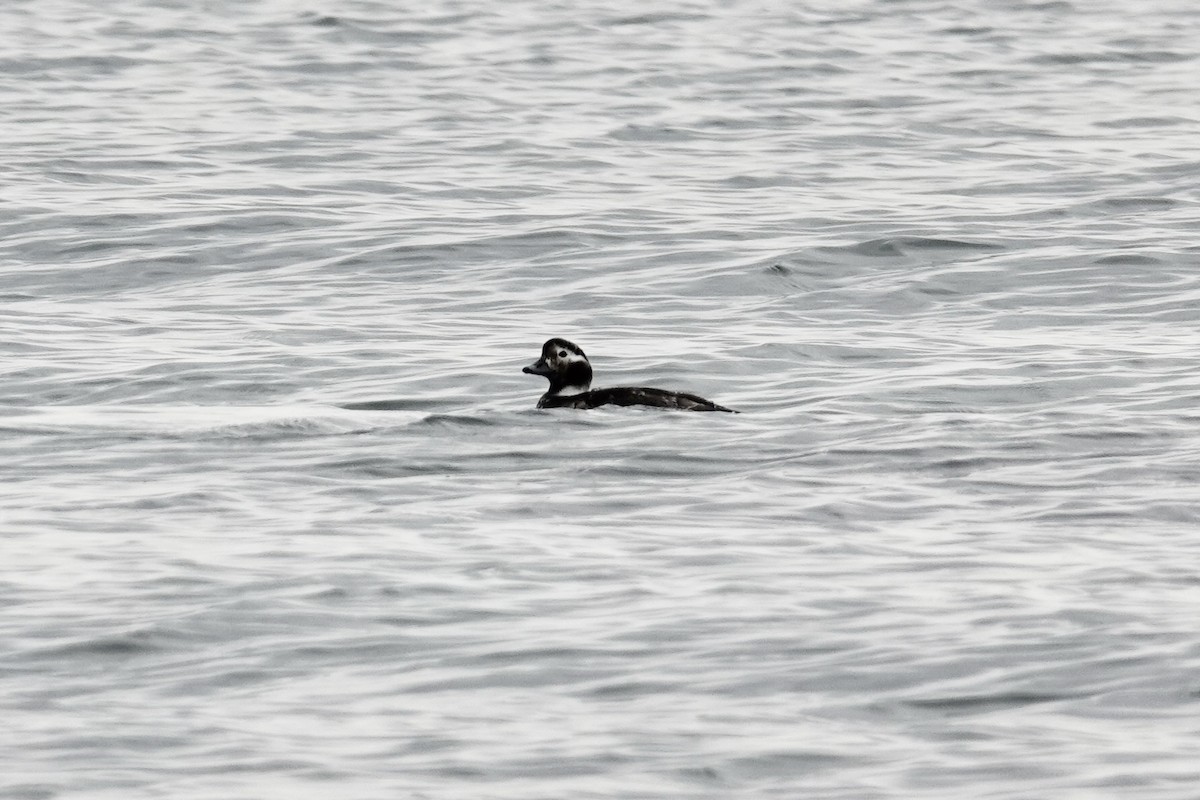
{"points": [[569, 358]]}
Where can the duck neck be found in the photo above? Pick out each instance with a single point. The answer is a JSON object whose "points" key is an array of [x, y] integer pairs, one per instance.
{"points": [[575, 379]]}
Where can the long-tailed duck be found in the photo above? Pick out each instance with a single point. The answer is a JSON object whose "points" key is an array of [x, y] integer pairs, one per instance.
{"points": [[570, 376]]}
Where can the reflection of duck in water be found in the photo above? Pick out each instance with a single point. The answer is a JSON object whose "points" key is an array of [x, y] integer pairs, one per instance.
{"points": [[570, 376]]}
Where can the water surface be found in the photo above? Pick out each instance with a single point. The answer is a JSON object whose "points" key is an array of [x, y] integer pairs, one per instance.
{"points": [[280, 518]]}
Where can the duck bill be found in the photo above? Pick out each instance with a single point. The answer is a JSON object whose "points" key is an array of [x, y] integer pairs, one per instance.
{"points": [[537, 368]]}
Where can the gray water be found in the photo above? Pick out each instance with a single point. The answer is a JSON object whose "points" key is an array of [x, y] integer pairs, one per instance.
{"points": [[280, 519]]}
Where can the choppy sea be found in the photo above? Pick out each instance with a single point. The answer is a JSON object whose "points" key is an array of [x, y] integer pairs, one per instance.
{"points": [[279, 518]]}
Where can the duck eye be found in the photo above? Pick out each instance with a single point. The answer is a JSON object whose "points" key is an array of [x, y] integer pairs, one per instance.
{"points": [[562, 353]]}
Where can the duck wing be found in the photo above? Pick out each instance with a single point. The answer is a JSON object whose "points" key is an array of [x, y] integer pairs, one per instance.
{"points": [[638, 396]]}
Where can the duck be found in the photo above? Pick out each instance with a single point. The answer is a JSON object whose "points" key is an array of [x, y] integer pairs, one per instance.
{"points": [[567, 368]]}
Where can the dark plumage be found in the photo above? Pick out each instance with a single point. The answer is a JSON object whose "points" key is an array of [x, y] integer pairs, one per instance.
{"points": [[570, 374]]}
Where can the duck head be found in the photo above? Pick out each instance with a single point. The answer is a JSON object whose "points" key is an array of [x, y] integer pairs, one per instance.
{"points": [[565, 366]]}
